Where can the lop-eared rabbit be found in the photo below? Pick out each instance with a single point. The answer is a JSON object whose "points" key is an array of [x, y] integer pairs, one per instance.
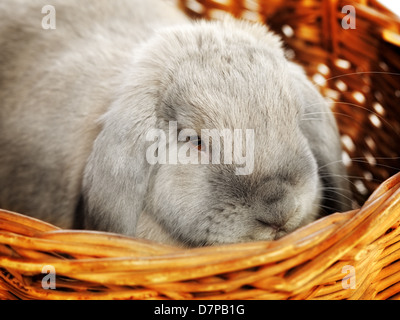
{"points": [[77, 104]]}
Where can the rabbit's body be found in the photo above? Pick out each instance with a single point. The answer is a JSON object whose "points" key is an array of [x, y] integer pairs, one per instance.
{"points": [[104, 59], [54, 84]]}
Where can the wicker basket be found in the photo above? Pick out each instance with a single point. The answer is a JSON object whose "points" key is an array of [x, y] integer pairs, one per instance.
{"points": [[351, 255]]}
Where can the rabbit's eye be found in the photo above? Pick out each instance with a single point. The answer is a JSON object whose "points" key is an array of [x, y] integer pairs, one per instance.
{"points": [[197, 143]]}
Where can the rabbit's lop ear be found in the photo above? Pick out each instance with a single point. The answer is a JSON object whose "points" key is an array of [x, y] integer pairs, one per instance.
{"points": [[117, 173], [319, 126]]}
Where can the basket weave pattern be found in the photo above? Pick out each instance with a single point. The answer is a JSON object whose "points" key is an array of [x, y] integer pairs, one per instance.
{"points": [[359, 71], [307, 264]]}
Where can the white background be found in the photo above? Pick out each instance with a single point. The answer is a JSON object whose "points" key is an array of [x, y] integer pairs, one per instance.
{"points": [[393, 5]]}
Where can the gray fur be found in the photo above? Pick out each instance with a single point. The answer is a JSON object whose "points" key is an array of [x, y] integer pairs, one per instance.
{"points": [[77, 102]]}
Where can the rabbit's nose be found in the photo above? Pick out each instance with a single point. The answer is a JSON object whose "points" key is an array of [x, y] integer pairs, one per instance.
{"points": [[277, 213]]}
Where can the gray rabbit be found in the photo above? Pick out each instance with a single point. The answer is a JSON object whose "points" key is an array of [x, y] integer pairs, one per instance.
{"points": [[78, 101]]}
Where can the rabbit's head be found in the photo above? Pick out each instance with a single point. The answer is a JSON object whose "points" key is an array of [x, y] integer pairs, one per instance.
{"points": [[246, 149]]}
